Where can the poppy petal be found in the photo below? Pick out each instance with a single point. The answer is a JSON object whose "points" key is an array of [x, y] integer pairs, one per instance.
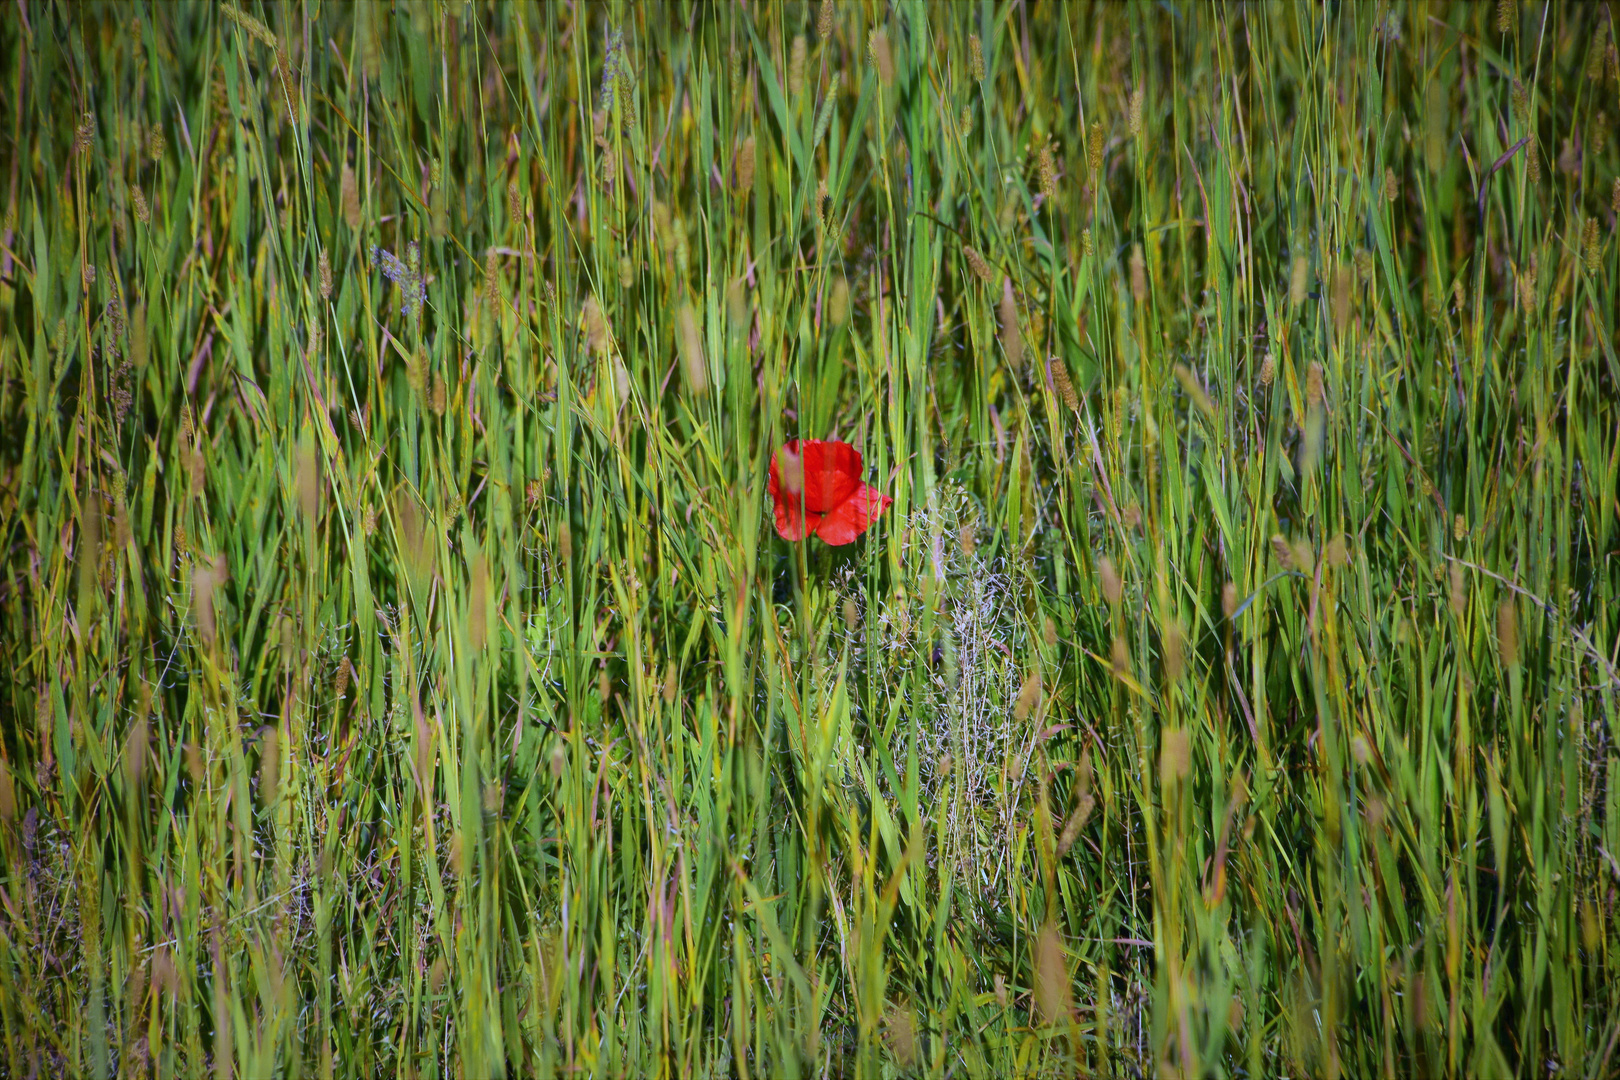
{"points": [[832, 472], [852, 516], [790, 517]]}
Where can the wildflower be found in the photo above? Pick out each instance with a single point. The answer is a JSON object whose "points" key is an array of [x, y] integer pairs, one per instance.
{"points": [[408, 278], [816, 487]]}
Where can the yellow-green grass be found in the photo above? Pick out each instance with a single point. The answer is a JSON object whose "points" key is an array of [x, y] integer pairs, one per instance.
{"points": [[400, 674]]}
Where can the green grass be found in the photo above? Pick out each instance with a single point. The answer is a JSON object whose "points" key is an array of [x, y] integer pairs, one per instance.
{"points": [[400, 674]]}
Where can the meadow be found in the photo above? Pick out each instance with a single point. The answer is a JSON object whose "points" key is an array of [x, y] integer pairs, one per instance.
{"points": [[401, 673]]}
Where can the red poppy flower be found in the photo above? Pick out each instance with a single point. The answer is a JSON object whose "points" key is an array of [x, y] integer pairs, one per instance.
{"points": [[817, 489]]}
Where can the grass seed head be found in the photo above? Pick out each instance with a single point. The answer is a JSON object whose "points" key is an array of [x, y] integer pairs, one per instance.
{"points": [[900, 1033], [350, 197], [882, 56], [1138, 271], [1112, 587], [1175, 757], [1052, 993], [1094, 151], [1590, 247], [1119, 656], [838, 302], [796, 60], [1133, 113], [492, 278], [137, 198], [1029, 695], [742, 174], [1046, 171], [825, 20], [1175, 652], [977, 264], [308, 484], [976, 58], [1315, 394], [1459, 590], [694, 367], [1063, 384], [1507, 632]]}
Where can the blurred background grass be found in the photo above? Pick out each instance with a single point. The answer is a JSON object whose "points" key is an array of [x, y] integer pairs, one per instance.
{"points": [[399, 674]]}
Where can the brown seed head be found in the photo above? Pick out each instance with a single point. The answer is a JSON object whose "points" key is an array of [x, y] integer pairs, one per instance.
{"points": [[143, 212], [977, 264], [351, 198], [1315, 395], [825, 19], [742, 171], [877, 47], [1112, 587], [1029, 695], [1507, 632], [1046, 170], [1094, 151], [796, 60], [838, 302], [1063, 384], [1175, 757], [1052, 994], [690, 341]]}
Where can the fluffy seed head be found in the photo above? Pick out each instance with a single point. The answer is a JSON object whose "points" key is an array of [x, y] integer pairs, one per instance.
{"points": [[838, 302], [977, 264], [1112, 587], [1052, 994], [1063, 384], [351, 198], [742, 174], [1046, 170], [877, 47], [1507, 632], [796, 65], [1029, 695], [690, 341]]}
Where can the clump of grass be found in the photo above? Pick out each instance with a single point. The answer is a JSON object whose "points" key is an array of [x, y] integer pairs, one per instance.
{"points": [[400, 674]]}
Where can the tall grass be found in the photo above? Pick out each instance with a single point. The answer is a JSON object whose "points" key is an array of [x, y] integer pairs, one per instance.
{"points": [[400, 675]]}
